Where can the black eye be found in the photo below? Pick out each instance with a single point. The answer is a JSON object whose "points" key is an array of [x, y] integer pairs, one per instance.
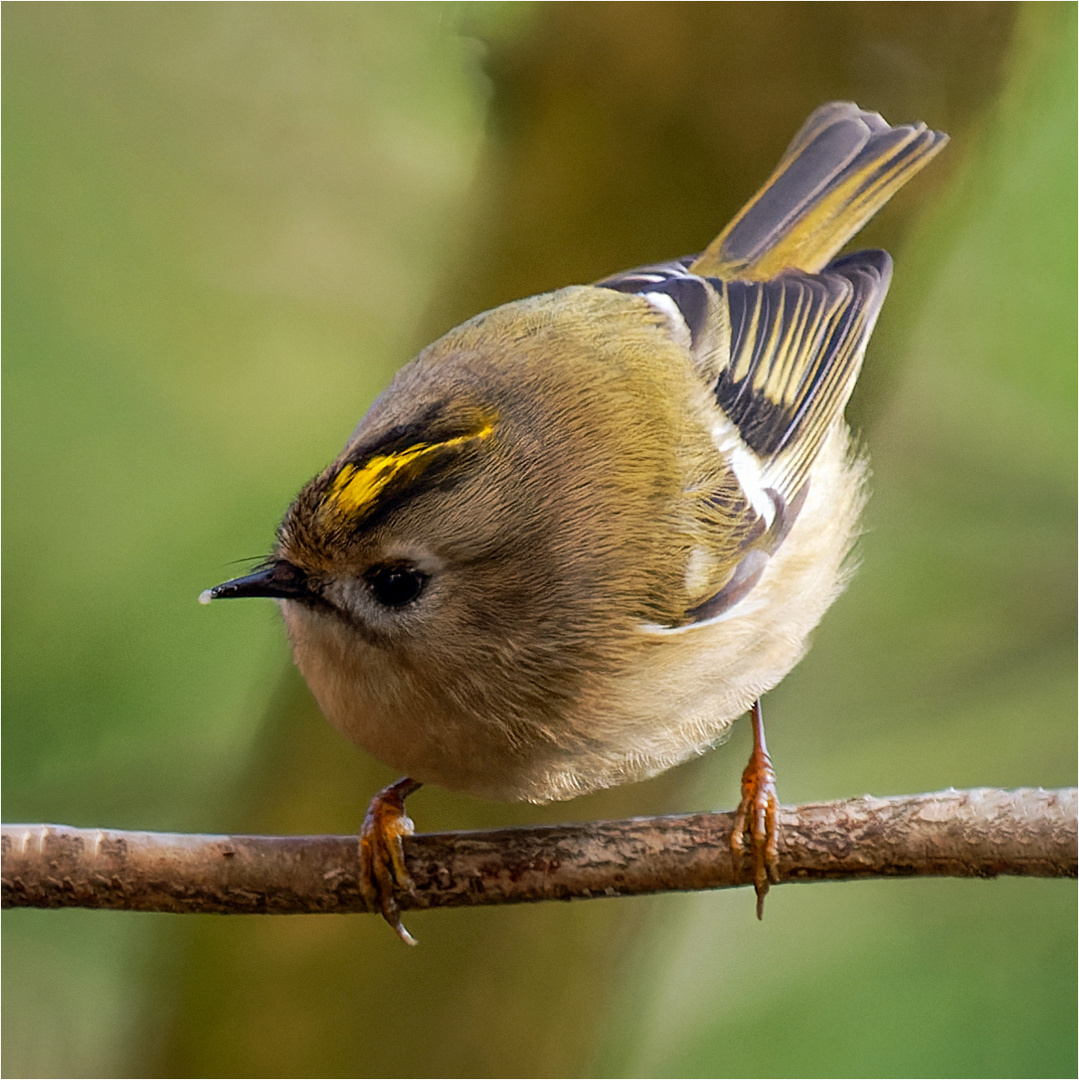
{"points": [[395, 585]]}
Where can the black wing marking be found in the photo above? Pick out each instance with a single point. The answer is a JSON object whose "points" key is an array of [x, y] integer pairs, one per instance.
{"points": [[631, 280], [791, 351], [797, 344], [687, 290], [696, 299]]}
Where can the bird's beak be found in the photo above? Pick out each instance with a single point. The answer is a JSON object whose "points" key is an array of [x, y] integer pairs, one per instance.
{"points": [[278, 579]]}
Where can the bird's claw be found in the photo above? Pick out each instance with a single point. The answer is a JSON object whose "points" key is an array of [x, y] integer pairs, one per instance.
{"points": [[384, 877], [755, 832]]}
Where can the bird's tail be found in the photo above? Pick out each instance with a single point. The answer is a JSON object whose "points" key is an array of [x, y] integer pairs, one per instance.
{"points": [[840, 169]]}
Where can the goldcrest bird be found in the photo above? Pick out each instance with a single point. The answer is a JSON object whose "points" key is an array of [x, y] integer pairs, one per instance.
{"points": [[582, 533]]}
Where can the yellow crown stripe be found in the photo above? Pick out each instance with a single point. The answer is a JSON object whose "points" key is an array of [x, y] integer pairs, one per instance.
{"points": [[355, 488]]}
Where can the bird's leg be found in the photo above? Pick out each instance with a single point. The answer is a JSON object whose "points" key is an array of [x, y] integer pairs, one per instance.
{"points": [[754, 829], [383, 874]]}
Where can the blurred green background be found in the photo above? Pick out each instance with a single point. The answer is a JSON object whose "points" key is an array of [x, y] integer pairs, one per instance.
{"points": [[226, 225]]}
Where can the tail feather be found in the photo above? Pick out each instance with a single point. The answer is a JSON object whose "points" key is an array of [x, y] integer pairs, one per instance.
{"points": [[839, 170]]}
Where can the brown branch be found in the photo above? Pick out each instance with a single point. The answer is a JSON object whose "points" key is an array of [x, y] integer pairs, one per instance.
{"points": [[980, 833]]}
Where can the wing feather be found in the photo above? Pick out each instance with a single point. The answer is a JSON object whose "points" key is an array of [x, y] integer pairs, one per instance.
{"points": [[797, 344], [789, 354], [777, 328]]}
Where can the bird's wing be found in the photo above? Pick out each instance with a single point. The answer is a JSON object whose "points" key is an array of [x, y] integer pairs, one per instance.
{"points": [[797, 344], [781, 358]]}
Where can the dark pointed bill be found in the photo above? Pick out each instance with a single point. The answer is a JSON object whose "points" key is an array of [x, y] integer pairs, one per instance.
{"points": [[279, 579]]}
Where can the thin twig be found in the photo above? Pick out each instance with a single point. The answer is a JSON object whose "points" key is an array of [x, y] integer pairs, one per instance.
{"points": [[980, 833]]}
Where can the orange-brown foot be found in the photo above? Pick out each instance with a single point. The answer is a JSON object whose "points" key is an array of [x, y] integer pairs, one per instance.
{"points": [[755, 832], [383, 874]]}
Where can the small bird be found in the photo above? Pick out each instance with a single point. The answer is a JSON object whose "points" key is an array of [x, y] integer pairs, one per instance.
{"points": [[582, 533]]}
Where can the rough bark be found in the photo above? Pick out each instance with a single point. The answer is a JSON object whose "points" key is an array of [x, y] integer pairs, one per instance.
{"points": [[980, 833]]}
